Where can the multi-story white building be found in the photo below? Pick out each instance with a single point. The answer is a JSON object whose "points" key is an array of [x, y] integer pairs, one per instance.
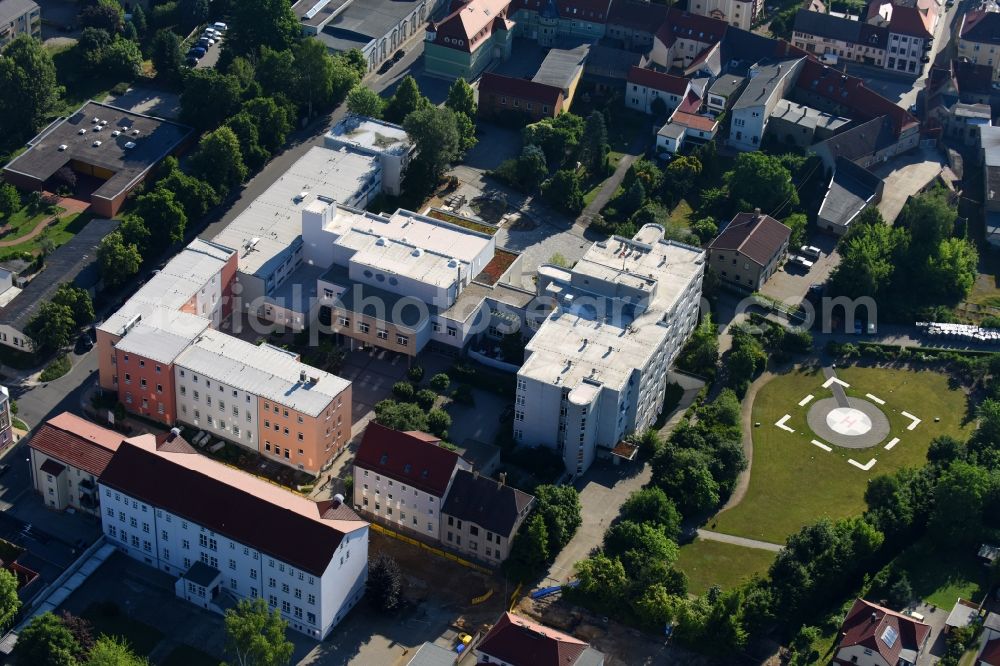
{"points": [[19, 17], [979, 36], [228, 535], [402, 478], [768, 83], [596, 369], [644, 87], [368, 136], [911, 25]]}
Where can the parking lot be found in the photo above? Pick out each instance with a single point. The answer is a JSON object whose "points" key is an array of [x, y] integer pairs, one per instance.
{"points": [[790, 284], [212, 52]]}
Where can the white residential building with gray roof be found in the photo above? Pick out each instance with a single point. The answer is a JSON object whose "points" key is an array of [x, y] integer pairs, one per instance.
{"points": [[768, 82]]}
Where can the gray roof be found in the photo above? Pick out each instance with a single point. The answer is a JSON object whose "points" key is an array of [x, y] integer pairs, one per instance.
{"points": [[852, 189], [74, 262], [726, 85], [201, 574], [861, 140], [765, 82], [12, 9], [430, 654], [825, 25], [364, 20], [561, 67], [493, 506]]}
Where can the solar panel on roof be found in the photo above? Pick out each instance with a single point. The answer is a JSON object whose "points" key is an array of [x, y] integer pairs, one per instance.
{"points": [[889, 636]]}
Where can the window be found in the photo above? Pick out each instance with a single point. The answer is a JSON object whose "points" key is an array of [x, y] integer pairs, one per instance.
{"points": [[402, 340], [364, 327], [382, 334]]}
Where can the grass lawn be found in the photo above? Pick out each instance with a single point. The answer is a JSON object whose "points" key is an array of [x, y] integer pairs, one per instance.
{"points": [[142, 637], [185, 655], [709, 563], [793, 483], [940, 577], [680, 216], [22, 222]]}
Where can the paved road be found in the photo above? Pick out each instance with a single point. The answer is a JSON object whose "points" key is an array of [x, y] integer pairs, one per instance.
{"points": [[739, 541]]}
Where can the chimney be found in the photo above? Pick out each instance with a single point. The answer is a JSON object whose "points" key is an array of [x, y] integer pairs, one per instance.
{"points": [[338, 499], [302, 376], [475, 474], [501, 479], [874, 616]]}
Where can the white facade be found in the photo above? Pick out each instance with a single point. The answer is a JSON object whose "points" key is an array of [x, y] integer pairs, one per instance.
{"points": [[740, 13], [394, 502], [750, 114], [641, 98], [905, 53], [223, 411], [311, 602], [369, 136], [597, 367]]}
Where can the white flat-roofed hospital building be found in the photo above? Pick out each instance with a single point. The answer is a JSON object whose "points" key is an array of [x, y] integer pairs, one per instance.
{"points": [[597, 367], [230, 536]]}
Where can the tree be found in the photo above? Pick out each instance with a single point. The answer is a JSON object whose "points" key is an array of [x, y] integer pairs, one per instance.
{"points": [[530, 550], [118, 260], [9, 602], [10, 199], [440, 382], [255, 636], [639, 545], [165, 52], [139, 19], [680, 177], [564, 191], [901, 592], [364, 101], [760, 181], [47, 641], [255, 156], [385, 582], [52, 326], [594, 145], [30, 88], [195, 195], [122, 59], [356, 60], [107, 15], [959, 498], [952, 270], [558, 137], [82, 630], [271, 120], [113, 651], [193, 12], [686, 478], [531, 168], [559, 506], [466, 132], [706, 229], [645, 172], [219, 161], [602, 582], [406, 100], [700, 355], [438, 421], [209, 98], [258, 24], [77, 300], [403, 391], [633, 198], [651, 505], [434, 131], [314, 80], [930, 218], [867, 261], [802, 651], [400, 416], [276, 71], [425, 398], [163, 216], [462, 98], [797, 223]]}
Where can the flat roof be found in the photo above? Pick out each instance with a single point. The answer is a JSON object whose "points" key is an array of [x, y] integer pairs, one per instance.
{"points": [[265, 371], [316, 13], [807, 116], [170, 289], [274, 218], [765, 79], [12, 9], [726, 85], [371, 134], [66, 264], [365, 20], [579, 347], [151, 139]]}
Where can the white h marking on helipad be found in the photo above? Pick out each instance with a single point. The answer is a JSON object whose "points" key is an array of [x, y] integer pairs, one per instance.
{"points": [[914, 419], [834, 380], [867, 466], [781, 423]]}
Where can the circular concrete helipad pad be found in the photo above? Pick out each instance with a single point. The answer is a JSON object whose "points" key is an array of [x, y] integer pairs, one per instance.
{"points": [[859, 425]]}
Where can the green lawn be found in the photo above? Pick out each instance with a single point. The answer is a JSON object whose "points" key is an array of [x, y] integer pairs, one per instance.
{"points": [[940, 577], [709, 563], [142, 637], [680, 216], [793, 483], [185, 655], [22, 222]]}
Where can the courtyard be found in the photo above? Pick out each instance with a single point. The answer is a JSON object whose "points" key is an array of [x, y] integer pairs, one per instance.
{"points": [[801, 473]]}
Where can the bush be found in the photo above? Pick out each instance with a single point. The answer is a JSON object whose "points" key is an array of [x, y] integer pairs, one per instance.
{"points": [[438, 422], [403, 391], [440, 382], [425, 398], [59, 367], [120, 88], [415, 373]]}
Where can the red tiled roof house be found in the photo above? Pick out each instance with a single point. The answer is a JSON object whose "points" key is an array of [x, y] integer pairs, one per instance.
{"points": [[875, 636], [67, 455], [518, 641], [401, 479], [500, 94], [644, 86], [749, 250]]}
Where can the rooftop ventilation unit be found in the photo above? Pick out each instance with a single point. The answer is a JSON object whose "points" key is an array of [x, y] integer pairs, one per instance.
{"points": [[82, 131], [381, 242], [62, 147], [129, 145], [135, 132], [96, 144], [95, 119], [417, 252], [115, 133]]}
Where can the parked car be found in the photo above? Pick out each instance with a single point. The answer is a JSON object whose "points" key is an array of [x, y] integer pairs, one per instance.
{"points": [[191, 61], [398, 55], [811, 251], [84, 344], [386, 66], [220, 26], [204, 43], [795, 261], [925, 59], [196, 52]]}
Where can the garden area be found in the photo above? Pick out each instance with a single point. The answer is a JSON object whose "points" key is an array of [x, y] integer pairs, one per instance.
{"points": [[709, 563], [794, 483]]}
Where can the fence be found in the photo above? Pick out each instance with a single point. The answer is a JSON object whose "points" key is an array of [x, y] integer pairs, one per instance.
{"points": [[430, 549]]}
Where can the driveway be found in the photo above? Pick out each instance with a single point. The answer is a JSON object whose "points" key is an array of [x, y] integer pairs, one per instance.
{"points": [[906, 175], [789, 284], [159, 103]]}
